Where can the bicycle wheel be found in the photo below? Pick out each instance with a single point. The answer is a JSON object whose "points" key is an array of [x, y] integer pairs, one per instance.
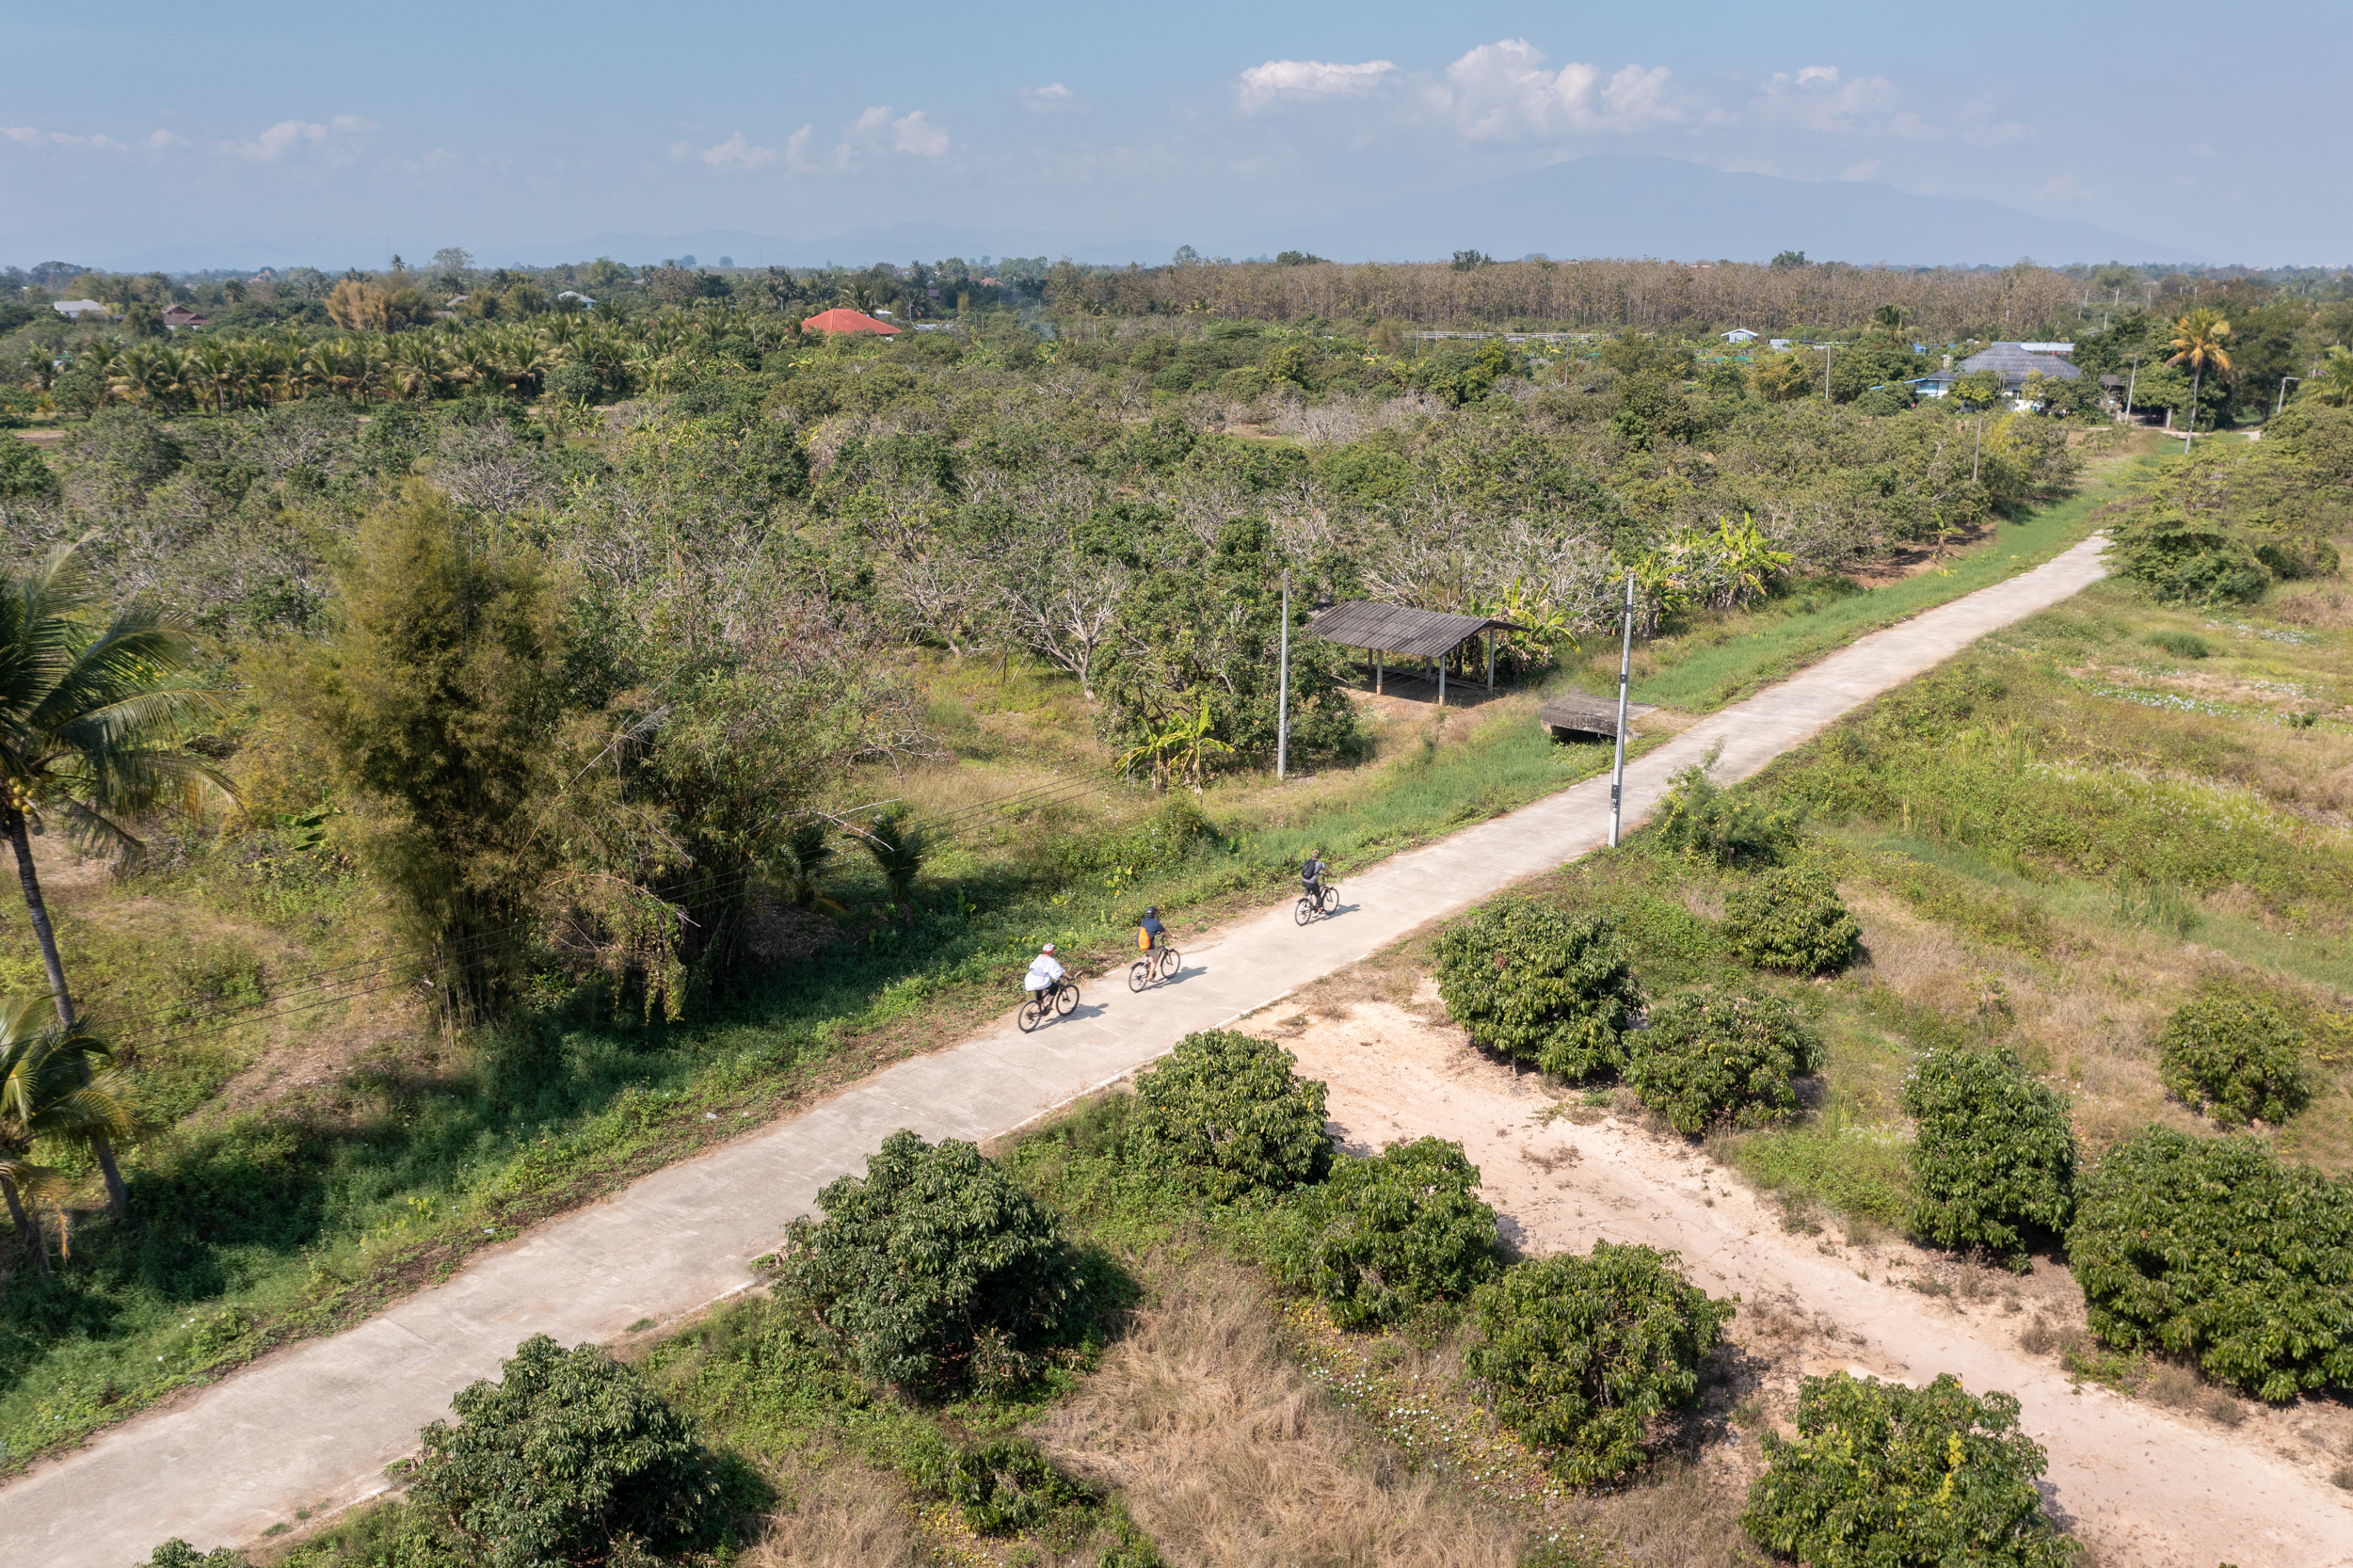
{"points": [[1170, 963], [1067, 999], [1032, 1013], [1304, 910], [1139, 975], [1331, 899]]}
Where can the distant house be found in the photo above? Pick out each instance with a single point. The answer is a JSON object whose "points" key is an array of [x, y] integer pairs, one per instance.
{"points": [[2013, 361], [1740, 334], [179, 315], [842, 319], [79, 307], [1778, 344], [585, 303]]}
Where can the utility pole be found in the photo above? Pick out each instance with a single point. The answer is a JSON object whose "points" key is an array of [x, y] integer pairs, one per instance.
{"points": [[2282, 401], [1977, 452], [2131, 383], [1283, 689], [1826, 350], [1625, 667]]}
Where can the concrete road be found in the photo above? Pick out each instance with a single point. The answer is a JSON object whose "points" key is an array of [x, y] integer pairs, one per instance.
{"points": [[312, 1425]]}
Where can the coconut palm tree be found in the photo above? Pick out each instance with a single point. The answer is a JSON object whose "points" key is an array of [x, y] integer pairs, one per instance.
{"points": [[2332, 383], [88, 718], [2197, 344], [898, 852], [56, 1082]]}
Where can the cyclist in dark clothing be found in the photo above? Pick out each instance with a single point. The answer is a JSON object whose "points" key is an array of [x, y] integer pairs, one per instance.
{"points": [[1312, 874], [1151, 927]]}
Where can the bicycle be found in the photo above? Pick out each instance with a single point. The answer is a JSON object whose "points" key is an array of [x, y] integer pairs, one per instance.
{"points": [[1161, 963], [1056, 1001], [1310, 908]]}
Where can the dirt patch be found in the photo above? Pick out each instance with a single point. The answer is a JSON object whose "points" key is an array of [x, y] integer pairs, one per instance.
{"points": [[1913, 559], [2145, 1485]]}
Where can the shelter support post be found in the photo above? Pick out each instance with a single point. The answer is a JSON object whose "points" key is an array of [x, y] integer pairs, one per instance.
{"points": [[1376, 672], [1441, 680], [1490, 637]]}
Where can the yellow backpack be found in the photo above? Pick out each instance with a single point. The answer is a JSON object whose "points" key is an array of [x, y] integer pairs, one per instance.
{"points": [[1143, 940]]}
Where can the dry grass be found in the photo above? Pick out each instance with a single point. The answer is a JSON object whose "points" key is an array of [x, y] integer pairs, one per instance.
{"points": [[1225, 1453], [840, 1514]]}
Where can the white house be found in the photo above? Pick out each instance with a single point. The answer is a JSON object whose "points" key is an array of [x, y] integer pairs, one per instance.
{"points": [[78, 307], [1740, 334]]}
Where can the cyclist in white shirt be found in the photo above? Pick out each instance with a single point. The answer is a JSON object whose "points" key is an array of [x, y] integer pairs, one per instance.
{"points": [[1044, 971]]}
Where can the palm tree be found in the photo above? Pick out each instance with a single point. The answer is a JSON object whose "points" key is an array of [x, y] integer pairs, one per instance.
{"points": [[2332, 383], [88, 718], [56, 1082], [898, 851], [801, 868], [2197, 344]]}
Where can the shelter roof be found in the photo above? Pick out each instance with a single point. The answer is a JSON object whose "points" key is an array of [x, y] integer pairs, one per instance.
{"points": [[843, 319], [1394, 629]]}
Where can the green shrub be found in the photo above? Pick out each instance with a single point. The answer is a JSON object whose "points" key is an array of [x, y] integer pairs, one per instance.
{"points": [[2235, 1058], [565, 1458], [2182, 645], [1995, 1151], [25, 477], [1712, 1055], [1882, 1476], [2211, 1248], [1537, 986], [1225, 1113], [1389, 1235], [934, 1269], [1582, 1353], [1703, 819], [2184, 559], [1792, 919], [176, 1553]]}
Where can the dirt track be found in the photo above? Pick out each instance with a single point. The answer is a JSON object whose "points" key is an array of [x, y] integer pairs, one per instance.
{"points": [[2147, 1488]]}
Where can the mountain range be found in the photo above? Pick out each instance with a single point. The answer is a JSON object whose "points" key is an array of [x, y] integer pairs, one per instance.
{"points": [[1603, 205]]}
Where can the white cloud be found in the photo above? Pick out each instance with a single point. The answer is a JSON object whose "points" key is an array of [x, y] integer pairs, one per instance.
{"points": [[873, 134], [1978, 124], [2061, 188], [1053, 98], [154, 141], [1502, 93], [1816, 98], [1309, 82], [1863, 170], [335, 140], [735, 153]]}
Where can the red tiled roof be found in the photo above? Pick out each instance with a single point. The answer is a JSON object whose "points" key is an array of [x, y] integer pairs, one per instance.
{"points": [[840, 319]]}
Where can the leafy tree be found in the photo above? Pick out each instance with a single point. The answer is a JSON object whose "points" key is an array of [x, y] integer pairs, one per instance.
{"points": [[1882, 1476], [1537, 986], [2197, 343], [1978, 389], [23, 477], [934, 1269], [57, 1083], [1712, 1055], [1584, 1353], [439, 699], [1995, 1151], [1387, 1236], [2216, 1249], [90, 717], [2184, 557], [1791, 917], [898, 851], [1225, 1113], [565, 1459], [1703, 819], [2235, 1058]]}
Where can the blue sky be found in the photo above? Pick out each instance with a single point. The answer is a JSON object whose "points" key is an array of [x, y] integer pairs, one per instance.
{"points": [[519, 120]]}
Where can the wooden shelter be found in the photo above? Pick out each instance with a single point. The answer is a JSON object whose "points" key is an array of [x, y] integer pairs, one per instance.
{"points": [[1382, 630]]}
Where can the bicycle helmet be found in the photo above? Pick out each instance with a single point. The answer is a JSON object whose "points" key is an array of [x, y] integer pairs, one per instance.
{"points": [[1151, 911], [1048, 948]]}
